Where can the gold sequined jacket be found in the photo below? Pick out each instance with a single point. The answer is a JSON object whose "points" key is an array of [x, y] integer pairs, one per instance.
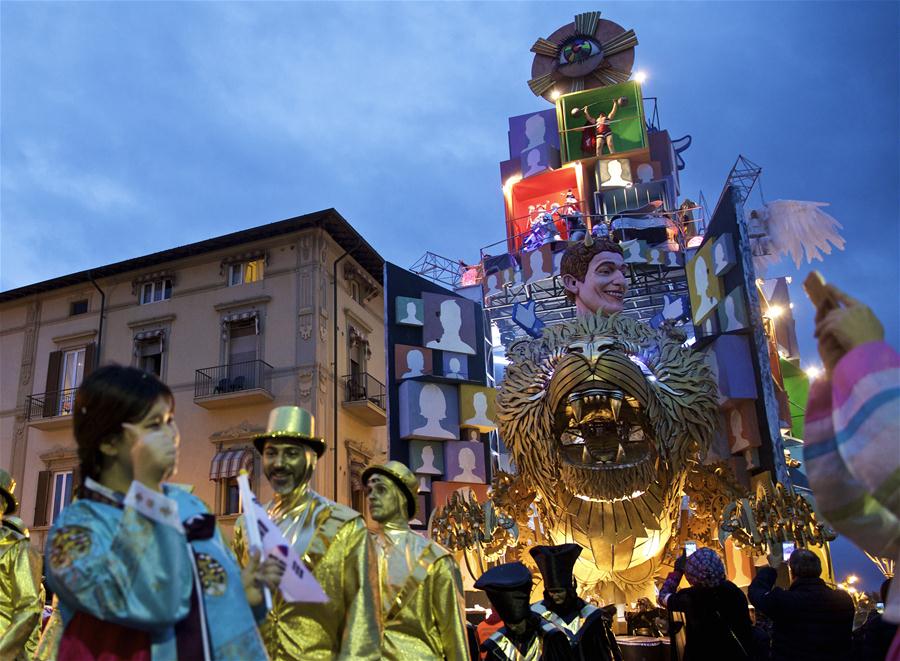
{"points": [[21, 603], [421, 593], [333, 541]]}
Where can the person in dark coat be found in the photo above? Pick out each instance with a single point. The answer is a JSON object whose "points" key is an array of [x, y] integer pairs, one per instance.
{"points": [[717, 617], [524, 634], [872, 640], [582, 622], [810, 620]]}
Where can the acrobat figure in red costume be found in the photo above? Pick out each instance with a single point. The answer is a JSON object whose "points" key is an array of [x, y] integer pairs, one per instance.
{"points": [[598, 133]]}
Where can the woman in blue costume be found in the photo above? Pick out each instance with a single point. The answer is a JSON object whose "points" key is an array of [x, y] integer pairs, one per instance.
{"points": [[140, 568]]}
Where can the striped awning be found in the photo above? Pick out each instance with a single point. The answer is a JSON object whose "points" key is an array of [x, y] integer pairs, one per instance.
{"points": [[149, 335], [239, 316], [228, 463]]}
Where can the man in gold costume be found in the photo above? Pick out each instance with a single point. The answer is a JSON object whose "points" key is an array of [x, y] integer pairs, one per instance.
{"points": [[334, 544], [21, 595], [421, 588]]}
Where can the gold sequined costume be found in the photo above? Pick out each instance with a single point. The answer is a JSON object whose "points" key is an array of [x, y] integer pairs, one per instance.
{"points": [[333, 541], [21, 594], [421, 593]]}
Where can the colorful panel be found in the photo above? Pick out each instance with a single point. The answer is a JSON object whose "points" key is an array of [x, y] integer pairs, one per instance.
{"points": [[464, 461], [440, 491], [733, 312], [411, 361], [449, 323], [534, 161], [426, 457], [627, 125], [704, 286], [410, 311], [533, 130], [455, 365], [478, 407], [615, 173], [428, 411]]}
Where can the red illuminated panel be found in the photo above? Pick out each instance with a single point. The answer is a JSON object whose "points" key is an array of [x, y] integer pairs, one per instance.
{"points": [[545, 188]]}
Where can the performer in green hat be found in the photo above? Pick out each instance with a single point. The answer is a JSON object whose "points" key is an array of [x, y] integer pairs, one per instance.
{"points": [[21, 595], [332, 540], [421, 588]]}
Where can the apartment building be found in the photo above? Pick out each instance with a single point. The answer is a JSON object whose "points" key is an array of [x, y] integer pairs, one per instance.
{"points": [[290, 312]]}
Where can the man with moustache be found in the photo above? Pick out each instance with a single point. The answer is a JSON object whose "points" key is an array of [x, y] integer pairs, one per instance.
{"points": [[334, 544], [421, 588]]}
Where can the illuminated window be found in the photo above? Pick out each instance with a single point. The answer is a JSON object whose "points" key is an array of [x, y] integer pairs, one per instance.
{"points": [[244, 272], [61, 493]]}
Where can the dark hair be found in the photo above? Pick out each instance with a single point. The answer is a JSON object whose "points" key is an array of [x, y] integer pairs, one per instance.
{"points": [[805, 564], [577, 258], [108, 397]]}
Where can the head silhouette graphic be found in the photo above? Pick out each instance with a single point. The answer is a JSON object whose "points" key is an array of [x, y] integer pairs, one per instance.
{"points": [[427, 458], [415, 363], [432, 407], [411, 312], [535, 131], [467, 463]]}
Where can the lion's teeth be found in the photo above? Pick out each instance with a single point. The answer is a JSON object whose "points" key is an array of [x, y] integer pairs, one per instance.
{"points": [[615, 405], [576, 410], [586, 456], [620, 454]]}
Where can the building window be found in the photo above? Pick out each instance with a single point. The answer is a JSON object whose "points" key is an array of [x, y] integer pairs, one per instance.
{"points": [[150, 356], [355, 290], [158, 290], [78, 307], [225, 467], [61, 494], [70, 378], [244, 272]]}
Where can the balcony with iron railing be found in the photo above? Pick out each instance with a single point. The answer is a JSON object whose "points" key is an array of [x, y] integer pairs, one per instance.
{"points": [[365, 398], [50, 410], [221, 386]]}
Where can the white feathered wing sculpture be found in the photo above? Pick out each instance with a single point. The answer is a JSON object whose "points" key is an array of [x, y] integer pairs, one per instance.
{"points": [[793, 227]]}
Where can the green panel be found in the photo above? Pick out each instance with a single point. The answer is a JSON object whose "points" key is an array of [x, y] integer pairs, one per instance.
{"points": [[628, 127], [796, 385]]}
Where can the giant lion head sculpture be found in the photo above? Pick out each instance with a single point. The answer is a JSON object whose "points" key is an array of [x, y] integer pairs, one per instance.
{"points": [[603, 416]]}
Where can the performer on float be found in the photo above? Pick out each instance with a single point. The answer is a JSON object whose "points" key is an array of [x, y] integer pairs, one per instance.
{"points": [[593, 273], [601, 134], [21, 599], [582, 622], [571, 214], [139, 566], [423, 609], [332, 540], [525, 634]]}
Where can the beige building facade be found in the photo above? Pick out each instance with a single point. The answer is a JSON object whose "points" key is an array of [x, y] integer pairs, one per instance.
{"points": [[235, 325]]}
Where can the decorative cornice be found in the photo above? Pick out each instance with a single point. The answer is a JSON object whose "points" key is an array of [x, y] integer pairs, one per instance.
{"points": [[151, 321], [243, 302], [240, 432], [71, 337]]}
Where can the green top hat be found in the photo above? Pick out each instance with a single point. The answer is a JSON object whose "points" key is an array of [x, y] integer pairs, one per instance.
{"points": [[7, 486], [291, 424], [402, 477]]}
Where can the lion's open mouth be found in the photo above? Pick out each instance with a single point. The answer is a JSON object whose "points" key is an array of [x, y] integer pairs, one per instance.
{"points": [[604, 443]]}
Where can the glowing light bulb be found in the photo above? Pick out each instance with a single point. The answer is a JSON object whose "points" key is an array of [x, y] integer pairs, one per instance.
{"points": [[774, 311], [813, 372], [640, 77], [554, 94]]}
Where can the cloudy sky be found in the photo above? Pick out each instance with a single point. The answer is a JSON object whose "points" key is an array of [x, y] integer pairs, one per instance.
{"points": [[134, 127]]}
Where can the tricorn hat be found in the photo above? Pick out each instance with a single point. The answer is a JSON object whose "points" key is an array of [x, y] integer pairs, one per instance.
{"points": [[508, 586], [291, 424], [7, 486], [402, 477], [556, 563]]}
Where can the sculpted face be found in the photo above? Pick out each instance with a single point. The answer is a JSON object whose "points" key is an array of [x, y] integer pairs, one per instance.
{"points": [[386, 502], [604, 285], [287, 465]]}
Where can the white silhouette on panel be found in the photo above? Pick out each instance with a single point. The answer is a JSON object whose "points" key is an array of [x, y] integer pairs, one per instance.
{"points": [[427, 459], [645, 173], [536, 264], [534, 163], [701, 282], [467, 463], [535, 131], [424, 486], [415, 363], [411, 317], [454, 366], [740, 440], [432, 407], [451, 322], [480, 419], [614, 169]]}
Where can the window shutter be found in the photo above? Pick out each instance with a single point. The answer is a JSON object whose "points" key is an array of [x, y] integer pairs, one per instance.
{"points": [[90, 354], [51, 392], [76, 479], [43, 498]]}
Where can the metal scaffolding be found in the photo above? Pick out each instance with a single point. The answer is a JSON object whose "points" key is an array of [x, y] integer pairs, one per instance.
{"points": [[743, 177], [438, 269]]}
